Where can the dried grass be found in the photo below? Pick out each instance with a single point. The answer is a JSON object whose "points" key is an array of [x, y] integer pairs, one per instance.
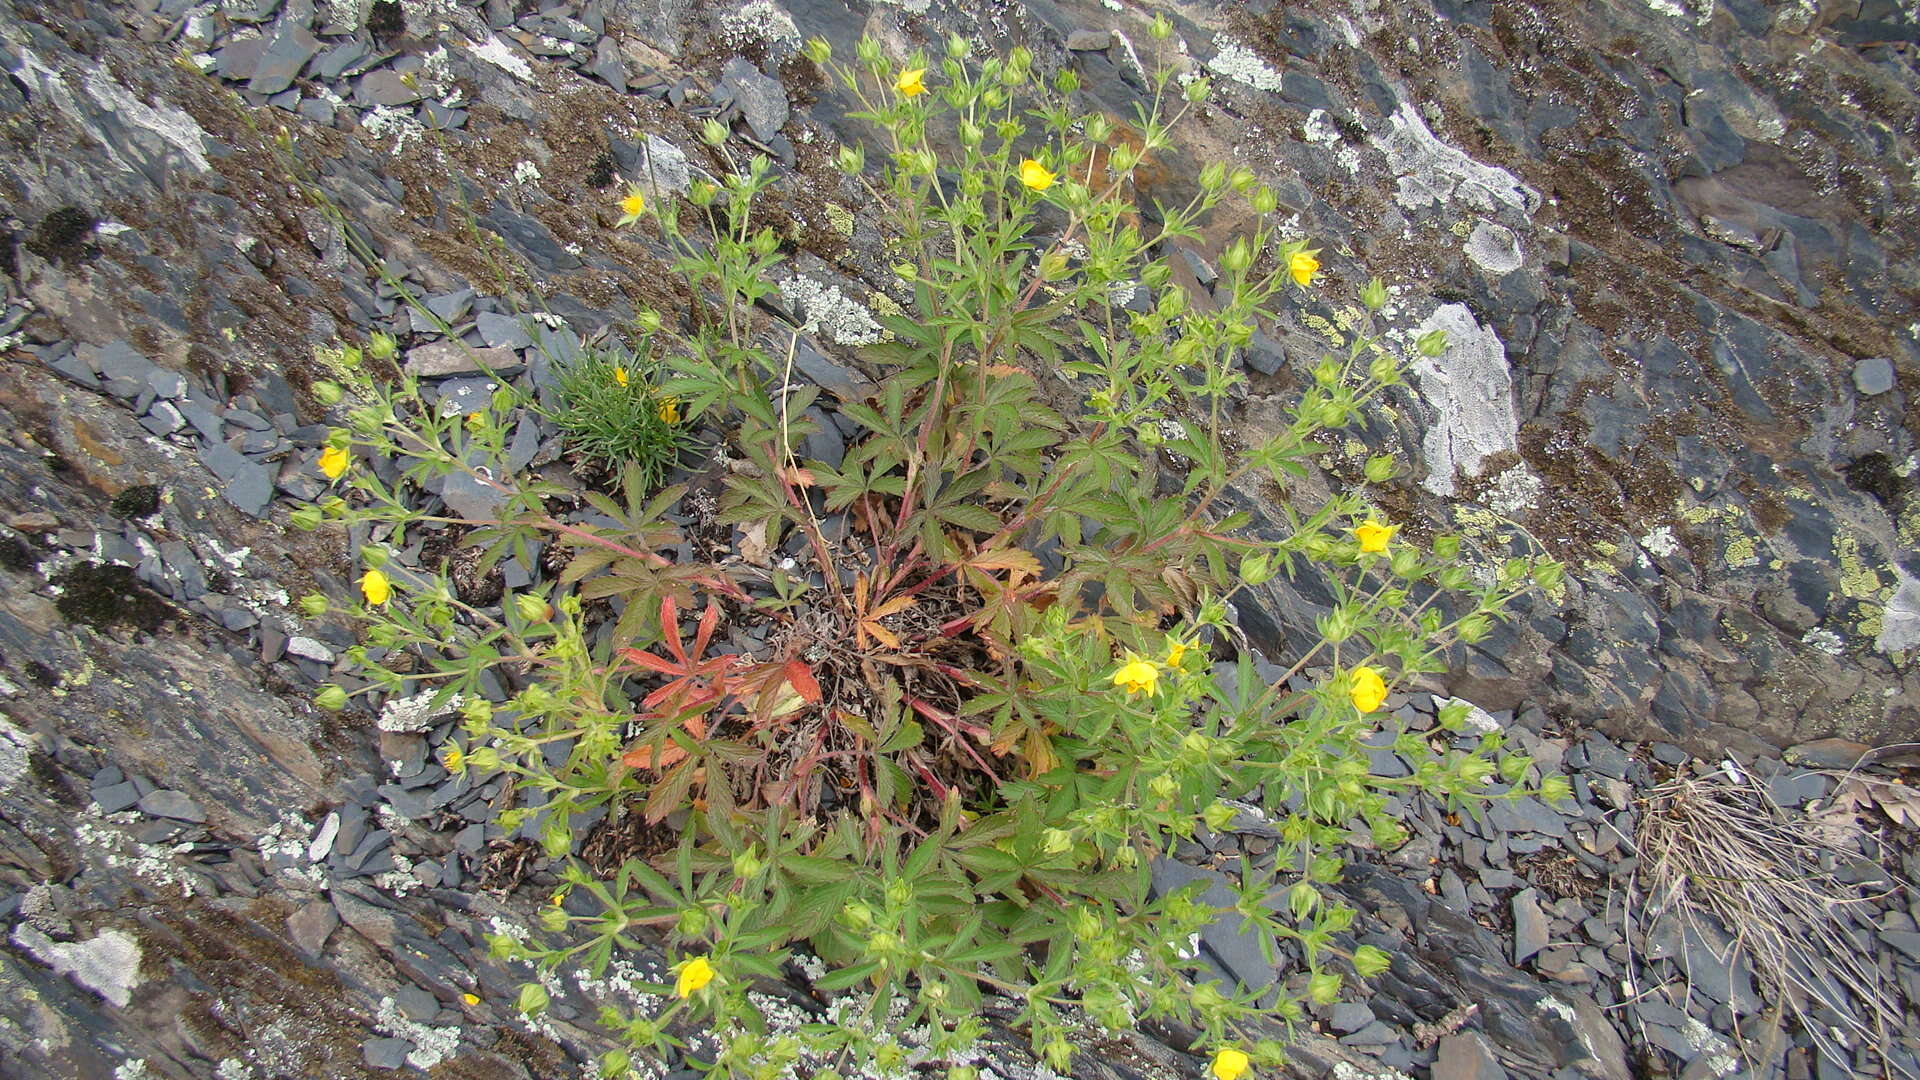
{"points": [[1719, 846]]}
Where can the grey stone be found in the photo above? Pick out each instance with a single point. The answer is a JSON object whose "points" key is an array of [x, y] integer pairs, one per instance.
{"points": [[762, 101], [1530, 927], [1090, 40], [608, 65], [1350, 1016], [172, 804], [416, 1004], [1907, 942], [442, 358], [310, 926], [307, 648], [1466, 1057], [386, 1053], [469, 497], [1874, 375], [244, 482], [283, 58], [116, 797], [385, 87], [501, 331]]}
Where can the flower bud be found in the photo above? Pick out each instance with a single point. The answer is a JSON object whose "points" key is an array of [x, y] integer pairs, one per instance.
{"points": [[1369, 961], [532, 607], [692, 922], [1066, 82], [1380, 468], [1098, 128], [971, 133], [1323, 988], [1432, 343], [1162, 787], [306, 518], [1056, 841], [331, 698], [1122, 159], [553, 918], [1241, 178], [533, 998], [868, 50], [1374, 295], [858, 915], [818, 50], [1237, 257], [484, 758], [958, 47], [1161, 28], [1213, 177], [328, 393], [1198, 89], [382, 346]]}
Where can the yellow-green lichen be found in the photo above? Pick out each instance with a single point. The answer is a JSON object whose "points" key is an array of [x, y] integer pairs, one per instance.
{"points": [[840, 220], [1740, 552], [1857, 579]]}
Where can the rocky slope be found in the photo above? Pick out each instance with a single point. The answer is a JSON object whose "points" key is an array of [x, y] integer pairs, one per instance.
{"points": [[1674, 245]]}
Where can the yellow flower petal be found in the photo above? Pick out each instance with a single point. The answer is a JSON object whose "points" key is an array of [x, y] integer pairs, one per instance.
{"points": [[1303, 266], [1137, 677], [694, 974], [910, 82], [333, 462], [1366, 689], [1035, 175], [633, 205], [669, 411], [376, 588], [620, 375], [1229, 1064], [1373, 536], [1176, 652]]}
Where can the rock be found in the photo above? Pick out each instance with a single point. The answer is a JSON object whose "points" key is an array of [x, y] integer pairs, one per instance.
{"points": [[1530, 926], [762, 101], [173, 805], [311, 925], [283, 58], [386, 1053], [499, 332], [442, 358], [1466, 1057], [308, 648], [1872, 376], [115, 798], [1906, 941], [1348, 1017], [244, 482], [1090, 40]]}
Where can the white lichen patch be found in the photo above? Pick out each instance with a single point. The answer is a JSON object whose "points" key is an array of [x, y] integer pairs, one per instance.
{"points": [[1477, 718], [525, 172], [1238, 63], [1495, 248], [1470, 388], [1431, 172], [382, 121], [1824, 640], [1514, 491], [108, 964], [830, 312], [761, 22], [118, 851], [431, 1045], [1900, 621], [416, 713], [1660, 542], [13, 754], [1319, 130], [501, 55]]}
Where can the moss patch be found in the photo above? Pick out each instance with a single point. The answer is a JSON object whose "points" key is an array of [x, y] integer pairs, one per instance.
{"points": [[136, 501], [102, 596]]}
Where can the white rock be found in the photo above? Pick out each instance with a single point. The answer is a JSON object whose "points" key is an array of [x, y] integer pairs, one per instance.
{"points": [[1495, 248], [1431, 171], [109, 964], [1900, 622]]}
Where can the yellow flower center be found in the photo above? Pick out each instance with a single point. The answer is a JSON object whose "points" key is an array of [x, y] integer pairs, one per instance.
{"points": [[376, 588], [634, 204], [1035, 175]]}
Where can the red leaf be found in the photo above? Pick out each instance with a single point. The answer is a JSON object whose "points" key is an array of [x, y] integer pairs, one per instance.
{"points": [[800, 677], [642, 757], [670, 627], [707, 621], [651, 662]]}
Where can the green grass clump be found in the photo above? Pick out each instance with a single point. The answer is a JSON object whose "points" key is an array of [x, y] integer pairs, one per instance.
{"points": [[615, 417]]}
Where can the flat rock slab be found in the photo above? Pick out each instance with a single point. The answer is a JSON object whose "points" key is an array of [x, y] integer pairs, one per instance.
{"points": [[442, 358], [173, 805]]}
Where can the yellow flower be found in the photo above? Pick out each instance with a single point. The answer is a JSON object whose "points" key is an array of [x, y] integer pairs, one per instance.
{"points": [[1373, 536], [1176, 652], [910, 83], [1137, 676], [1303, 266], [453, 758], [632, 205], [471, 999], [1229, 1064], [376, 588], [694, 974], [1366, 689], [1035, 175], [333, 462], [669, 411], [620, 375]]}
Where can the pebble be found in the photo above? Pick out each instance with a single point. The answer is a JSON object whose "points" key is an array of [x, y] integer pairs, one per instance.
{"points": [[1873, 375], [386, 1053], [1530, 927], [311, 925]]}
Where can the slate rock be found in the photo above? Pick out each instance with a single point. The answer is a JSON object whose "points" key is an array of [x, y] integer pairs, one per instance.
{"points": [[172, 804], [762, 101], [116, 797], [1874, 375], [1466, 1057], [441, 358], [386, 1053], [280, 64], [1350, 1016], [1530, 927], [244, 482], [1090, 40], [310, 926], [501, 331], [1906, 941]]}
